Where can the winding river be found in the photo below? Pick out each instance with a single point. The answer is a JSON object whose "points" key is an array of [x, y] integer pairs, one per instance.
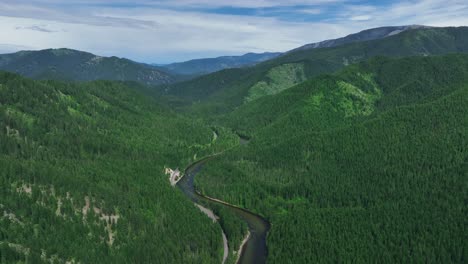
{"points": [[254, 250]]}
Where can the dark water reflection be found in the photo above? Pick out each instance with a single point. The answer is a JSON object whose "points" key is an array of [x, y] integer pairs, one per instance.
{"points": [[255, 250]]}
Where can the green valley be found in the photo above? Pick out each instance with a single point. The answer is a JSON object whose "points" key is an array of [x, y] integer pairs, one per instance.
{"points": [[348, 150], [225, 90], [82, 176], [357, 166]]}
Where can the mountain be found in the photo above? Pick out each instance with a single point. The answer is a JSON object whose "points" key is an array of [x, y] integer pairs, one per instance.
{"points": [[355, 153], [365, 165], [209, 65], [227, 89], [66, 64], [368, 34], [82, 176]]}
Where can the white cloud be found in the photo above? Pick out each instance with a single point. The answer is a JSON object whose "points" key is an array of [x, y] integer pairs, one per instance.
{"points": [[249, 3], [157, 34], [424, 12], [40, 28], [311, 11], [186, 3], [361, 18], [161, 35]]}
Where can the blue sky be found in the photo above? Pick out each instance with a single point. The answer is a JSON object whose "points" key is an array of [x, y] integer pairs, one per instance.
{"points": [[165, 31]]}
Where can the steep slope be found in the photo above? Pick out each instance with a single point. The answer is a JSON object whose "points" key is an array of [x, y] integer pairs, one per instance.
{"points": [[82, 176], [356, 92], [209, 65], [367, 165], [66, 64], [228, 89]]}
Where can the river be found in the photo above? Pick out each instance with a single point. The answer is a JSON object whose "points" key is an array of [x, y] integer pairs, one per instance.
{"points": [[254, 250]]}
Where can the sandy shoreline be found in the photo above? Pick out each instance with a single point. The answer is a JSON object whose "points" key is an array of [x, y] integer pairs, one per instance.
{"points": [[239, 253], [215, 218], [226, 248]]}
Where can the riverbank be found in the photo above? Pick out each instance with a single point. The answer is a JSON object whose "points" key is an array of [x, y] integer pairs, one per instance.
{"points": [[253, 247], [215, 218], [241, 247]]}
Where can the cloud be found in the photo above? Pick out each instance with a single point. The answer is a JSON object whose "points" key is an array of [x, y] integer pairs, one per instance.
{"points": [[427, 12], [40, 28], [361, 18], [311, 11], [155, 35], [165, 31], [249, 3], [182, 3]]}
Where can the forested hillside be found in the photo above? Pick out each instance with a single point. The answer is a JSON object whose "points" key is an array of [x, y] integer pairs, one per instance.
{"points": [[356, 92], [223, 91], [82, 176], [354, 151], [73, 65], [366, 165]]}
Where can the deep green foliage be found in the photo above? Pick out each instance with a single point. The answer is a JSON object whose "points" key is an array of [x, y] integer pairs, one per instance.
{"points": [[356, 92], [223, 91], [62, 144], [367, 163], [387, 185]]}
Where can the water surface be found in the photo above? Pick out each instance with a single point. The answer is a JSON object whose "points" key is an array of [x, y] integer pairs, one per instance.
{"points": [[255, 250]]}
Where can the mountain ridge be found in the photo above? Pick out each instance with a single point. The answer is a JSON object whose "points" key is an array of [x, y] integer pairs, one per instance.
{"points": [[364, 35], [75, 65], [208, 65], [233, 87]]}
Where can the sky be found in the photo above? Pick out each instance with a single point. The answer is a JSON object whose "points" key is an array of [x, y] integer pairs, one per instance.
{"points": [[164, 31]]}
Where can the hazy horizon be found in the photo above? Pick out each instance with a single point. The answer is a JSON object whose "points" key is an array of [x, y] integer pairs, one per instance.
{"points": [[173, 31]]}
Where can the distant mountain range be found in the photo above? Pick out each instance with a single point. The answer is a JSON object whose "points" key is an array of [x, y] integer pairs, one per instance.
{"points": [[209, 65], [297, 65], [230, 88], [368, 34], [67, 64]]}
